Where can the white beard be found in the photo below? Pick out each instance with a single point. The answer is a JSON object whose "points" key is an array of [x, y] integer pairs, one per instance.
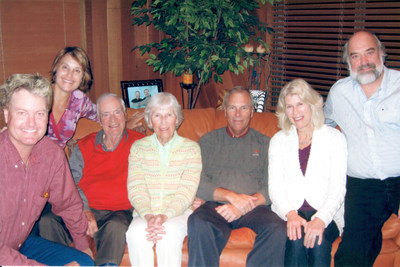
{"points": [[369, 77]]}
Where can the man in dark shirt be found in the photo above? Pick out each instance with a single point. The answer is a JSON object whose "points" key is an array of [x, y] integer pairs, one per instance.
{"points": [[234, 184]]}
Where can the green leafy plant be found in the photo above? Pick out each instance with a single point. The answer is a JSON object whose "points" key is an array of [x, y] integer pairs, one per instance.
{"points": [[203, 37]]}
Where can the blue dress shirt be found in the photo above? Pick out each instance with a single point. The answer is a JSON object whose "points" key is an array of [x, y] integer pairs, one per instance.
{"points": [[371, 125]]}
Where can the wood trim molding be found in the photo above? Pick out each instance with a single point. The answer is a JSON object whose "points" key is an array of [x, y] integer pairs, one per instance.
{"points": [[114, 34]]}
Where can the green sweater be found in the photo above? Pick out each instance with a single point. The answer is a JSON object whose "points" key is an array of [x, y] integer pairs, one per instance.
{"points": [[236, 164]]}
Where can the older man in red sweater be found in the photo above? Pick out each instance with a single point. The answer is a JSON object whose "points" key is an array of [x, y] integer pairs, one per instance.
{"points": [[99, 165]]}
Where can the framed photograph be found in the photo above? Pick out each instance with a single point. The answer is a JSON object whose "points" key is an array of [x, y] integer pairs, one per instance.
{"points": [[137, 94]]}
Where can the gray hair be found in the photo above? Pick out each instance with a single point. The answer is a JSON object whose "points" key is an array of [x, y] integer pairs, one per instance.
{"points": [[381, 48], [237, 89], [308, 96], [163, 100], [33, 83], [108, 95]]}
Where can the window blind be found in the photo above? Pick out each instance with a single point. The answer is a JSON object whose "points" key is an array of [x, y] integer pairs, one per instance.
{"points": [[309, 35]]}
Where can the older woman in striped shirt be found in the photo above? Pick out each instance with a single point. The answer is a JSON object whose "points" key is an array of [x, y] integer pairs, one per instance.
{"points": [[164, 173]]}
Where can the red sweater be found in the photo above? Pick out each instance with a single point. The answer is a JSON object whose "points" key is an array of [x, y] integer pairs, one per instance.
{"points": [[104, 179]]}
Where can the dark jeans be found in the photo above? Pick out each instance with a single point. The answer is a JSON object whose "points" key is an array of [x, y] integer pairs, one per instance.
{"points": [[51, 253], [368, 204], [208, 233], [298, 255], [110, 239]]}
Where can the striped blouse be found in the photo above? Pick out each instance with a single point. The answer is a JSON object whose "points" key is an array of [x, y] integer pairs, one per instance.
{"points": [[169, 188]]}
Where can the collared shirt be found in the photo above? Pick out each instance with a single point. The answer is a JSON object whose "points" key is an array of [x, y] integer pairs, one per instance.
{"points": [[164, 150], [229, 132], [99, 140], [371, 125], [25, 189]]}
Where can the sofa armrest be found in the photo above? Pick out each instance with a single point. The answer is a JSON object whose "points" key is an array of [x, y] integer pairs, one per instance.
{"points": [[391, 229]]}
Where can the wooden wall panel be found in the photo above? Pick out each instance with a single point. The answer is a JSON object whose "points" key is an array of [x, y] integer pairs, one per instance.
{"points": [[2, 71], [134, 64], [127, 42], [99, 48], [74, 25], [114, 34], [33, 31]]}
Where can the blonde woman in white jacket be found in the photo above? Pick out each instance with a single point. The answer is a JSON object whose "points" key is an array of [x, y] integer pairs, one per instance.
{"points": [[307, 176]]}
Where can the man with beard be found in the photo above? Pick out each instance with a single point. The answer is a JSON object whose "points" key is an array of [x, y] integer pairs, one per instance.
{"points": [[366, 108]]}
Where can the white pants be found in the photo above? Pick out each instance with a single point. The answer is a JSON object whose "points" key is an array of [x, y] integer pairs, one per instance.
{"points": [[168, 249]]}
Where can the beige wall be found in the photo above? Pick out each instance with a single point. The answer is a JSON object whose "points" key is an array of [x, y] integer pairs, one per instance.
{"points": [[31, 33]]}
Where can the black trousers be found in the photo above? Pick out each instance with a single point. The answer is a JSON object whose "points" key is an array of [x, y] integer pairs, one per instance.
{"points": [[110, 239], [368, 204], [208, 233]]}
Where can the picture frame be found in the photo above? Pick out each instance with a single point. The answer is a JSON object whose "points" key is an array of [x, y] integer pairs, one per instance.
{"points": [[136, 94]]}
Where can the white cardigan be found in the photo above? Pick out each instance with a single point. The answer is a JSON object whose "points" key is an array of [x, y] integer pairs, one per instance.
{"points": [[324, 183]]}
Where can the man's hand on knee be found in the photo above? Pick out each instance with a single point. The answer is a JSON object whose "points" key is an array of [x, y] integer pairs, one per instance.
{"points": [[244, 203], [229, 212], [92, 223]]}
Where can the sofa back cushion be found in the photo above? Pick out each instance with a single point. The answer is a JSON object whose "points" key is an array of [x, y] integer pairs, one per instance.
{"points": [[265, 122], [196, 123]]}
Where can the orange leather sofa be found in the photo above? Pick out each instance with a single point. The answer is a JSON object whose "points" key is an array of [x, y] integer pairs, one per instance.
{"points": [[196, 123]]}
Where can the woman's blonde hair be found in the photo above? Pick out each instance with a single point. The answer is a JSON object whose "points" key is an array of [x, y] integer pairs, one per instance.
{"points": [[308, 96]]}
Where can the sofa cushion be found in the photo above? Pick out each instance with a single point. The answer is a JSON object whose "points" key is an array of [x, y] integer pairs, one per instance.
{"points": [[196, 123]]}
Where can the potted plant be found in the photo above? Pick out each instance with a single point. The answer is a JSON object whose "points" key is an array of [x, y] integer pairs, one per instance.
{"points": [[202, 37]]}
